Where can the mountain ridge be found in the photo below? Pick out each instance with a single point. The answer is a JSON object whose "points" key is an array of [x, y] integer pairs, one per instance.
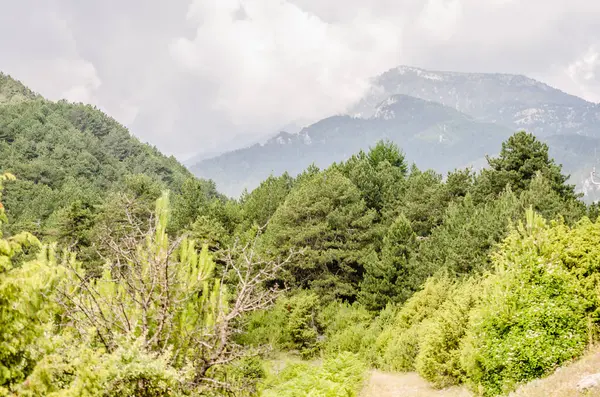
{"points": [[510, 102], [399, 119]]}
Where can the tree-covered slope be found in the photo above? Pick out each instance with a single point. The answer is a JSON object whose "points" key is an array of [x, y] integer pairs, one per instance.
{"points": [[12, 91], [63, 152]]}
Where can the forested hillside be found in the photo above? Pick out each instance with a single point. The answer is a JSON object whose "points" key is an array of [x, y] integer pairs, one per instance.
{"points": [[12, 91], [68, 159], [121, 275]]}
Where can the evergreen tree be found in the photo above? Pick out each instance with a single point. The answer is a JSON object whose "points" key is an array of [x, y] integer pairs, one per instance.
{"points": [[260, 205], [521, 157], [379, 175], [393, 278], [463, 242], [390, 152], [191, 202], [327, 217], [459, 183], [425, 201], [548, 202]]}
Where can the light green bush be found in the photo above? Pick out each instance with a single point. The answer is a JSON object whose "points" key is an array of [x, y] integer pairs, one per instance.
{"points": [[346, 326], [391, 340], [72, 371], [26, 308], [532, 317], [439, 349], [373, 344], [403, 348], [338, 316], [349, 339], [243, 377], [339, 376], [352, 328], [399, 343], [266, 328], [424, 303], [301, 325], [292, 324]]}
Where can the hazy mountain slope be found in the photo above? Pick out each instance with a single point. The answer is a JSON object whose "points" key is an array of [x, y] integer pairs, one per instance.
{"points": [[512, 100], [478, 109], [579, 155], [431, 134]]}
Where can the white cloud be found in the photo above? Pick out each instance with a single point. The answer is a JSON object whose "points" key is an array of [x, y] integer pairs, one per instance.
{"points": [[585, 72], [283, 63], [43, 52], [206, 75], [439, 18], [80, 79]]}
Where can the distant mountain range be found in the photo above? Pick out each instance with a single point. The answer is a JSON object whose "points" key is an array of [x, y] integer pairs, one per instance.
{"points": [[442, 120]]}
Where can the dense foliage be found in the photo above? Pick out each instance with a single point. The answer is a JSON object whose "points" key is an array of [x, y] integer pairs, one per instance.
{"points": [[112, 285], [68, 158]]}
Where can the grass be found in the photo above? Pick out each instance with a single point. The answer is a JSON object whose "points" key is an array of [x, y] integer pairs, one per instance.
{"points": [[410, 384]]}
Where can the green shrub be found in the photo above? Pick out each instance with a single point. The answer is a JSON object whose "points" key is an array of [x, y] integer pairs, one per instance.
{"points": [[352, 328], [350, 339], [291, 324], [129, 371], [301, 323], [243, 376], [399, 343], [373, 344], [424, 303], [266, 328], [26, 308], [345, 327], [532, 316], [338, 316], [439, 350], [402, 349], [339, 376]]}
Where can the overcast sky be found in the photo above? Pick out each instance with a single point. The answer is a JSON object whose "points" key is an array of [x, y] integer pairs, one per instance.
{"points": [[203, 75]]}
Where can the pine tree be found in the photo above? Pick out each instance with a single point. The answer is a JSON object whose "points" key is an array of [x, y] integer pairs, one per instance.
{"points": [[425, 201], [469, 231], [327, 218], [393, 278], [521, 157], [260, 205]]}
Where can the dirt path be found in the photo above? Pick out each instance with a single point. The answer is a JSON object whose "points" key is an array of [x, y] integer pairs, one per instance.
{"points": [[410, 384], [562, 383]]}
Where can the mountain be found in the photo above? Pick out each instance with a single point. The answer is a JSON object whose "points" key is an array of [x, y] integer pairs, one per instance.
{"points": [[64, 152], [440, 119], [512, 100], [431, 134]]}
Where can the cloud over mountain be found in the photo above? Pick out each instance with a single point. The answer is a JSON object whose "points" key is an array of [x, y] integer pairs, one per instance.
{"points": [[205, 75]]}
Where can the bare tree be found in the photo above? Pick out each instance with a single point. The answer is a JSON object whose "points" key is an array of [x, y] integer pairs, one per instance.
{"points": [[166, 293]]}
